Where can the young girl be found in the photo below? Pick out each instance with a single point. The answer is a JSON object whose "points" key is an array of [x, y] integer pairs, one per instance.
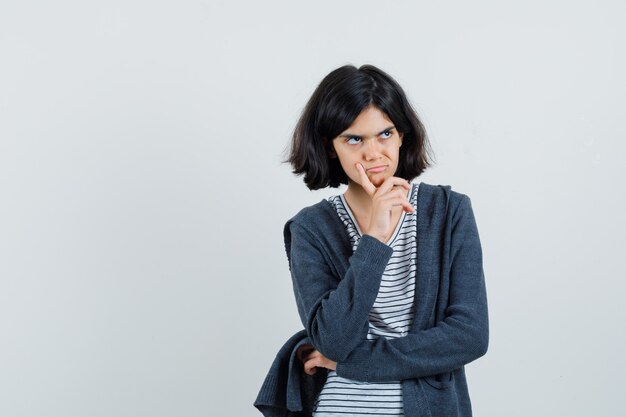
{"points": [[387, 276]]}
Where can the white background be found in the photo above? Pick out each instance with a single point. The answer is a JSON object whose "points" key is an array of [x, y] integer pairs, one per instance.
{"points": [[142, 198]]}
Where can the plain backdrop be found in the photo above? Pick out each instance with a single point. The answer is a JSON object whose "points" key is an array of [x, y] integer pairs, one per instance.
{"points": [[142, 197]]}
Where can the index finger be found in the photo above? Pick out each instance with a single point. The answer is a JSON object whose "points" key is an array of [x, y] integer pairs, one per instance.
{"points": [[365, 181]]}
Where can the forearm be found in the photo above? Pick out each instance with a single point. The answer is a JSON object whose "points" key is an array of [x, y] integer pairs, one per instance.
{"points": [[452, 343], [335, 311]]}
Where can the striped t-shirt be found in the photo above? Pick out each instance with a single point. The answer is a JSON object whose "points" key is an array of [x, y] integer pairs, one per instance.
{"points": [[391, 316]]}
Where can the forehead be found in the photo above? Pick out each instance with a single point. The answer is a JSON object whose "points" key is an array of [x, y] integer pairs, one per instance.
{"points": [[369, 122]]}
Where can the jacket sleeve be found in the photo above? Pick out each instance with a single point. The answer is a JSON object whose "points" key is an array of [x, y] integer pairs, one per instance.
{"points": [[461, 337], [334, 311]]}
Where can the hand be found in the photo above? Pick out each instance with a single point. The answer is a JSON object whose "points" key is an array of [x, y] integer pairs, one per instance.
{"points": [[391, 193], [313, 358]]}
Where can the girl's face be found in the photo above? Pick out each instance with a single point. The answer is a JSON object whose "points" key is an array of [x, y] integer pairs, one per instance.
{"points": [[371, 140]]}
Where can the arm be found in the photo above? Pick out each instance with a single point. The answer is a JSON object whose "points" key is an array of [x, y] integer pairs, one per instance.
{"points": [[461, 337], [334, 312]]}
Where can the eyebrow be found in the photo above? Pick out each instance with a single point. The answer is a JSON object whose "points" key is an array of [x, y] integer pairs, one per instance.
{"points": [[350, 135]]}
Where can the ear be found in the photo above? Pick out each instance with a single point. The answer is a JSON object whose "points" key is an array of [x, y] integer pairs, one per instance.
{"points": [[401, 137]]}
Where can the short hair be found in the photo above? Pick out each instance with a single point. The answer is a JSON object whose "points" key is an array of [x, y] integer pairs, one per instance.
{"points": [[336, 102]]}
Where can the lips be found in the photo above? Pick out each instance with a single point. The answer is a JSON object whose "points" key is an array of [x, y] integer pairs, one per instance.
{"points": [[378, 168]]}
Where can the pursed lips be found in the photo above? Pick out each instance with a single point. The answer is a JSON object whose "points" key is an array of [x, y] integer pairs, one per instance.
{"points": [[377, 168]]}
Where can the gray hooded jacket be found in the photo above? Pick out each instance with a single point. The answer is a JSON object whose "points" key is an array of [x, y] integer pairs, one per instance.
{"points": [[336, 288]]}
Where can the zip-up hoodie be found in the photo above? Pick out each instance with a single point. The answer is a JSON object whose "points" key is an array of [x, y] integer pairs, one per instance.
{"points": [[335, 289]]}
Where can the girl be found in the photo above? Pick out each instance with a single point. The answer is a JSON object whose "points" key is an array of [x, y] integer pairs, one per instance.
{"points": [[387, 276]]}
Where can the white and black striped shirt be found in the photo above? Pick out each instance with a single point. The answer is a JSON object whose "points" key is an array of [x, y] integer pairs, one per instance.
{"points": [[391, 316]]}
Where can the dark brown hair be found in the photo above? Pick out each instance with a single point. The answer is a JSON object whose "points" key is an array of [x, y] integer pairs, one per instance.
{"points": [[336, 102]]}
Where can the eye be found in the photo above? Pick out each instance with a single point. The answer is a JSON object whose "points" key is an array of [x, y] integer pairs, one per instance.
{"points": [[386, 134], [353, 138]]}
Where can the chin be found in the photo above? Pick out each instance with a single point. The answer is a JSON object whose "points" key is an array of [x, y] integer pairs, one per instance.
{"points": [[377, 180]]}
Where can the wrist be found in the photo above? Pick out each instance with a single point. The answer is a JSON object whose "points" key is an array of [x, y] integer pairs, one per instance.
{"points": [[375, 236]]}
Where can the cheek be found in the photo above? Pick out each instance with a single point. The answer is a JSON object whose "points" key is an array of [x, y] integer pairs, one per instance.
{"points": [[397, 154], [351, 171], [347, 164]]}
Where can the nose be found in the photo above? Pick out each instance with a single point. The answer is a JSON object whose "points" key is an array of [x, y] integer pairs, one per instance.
{"points": [[371, 150]]}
